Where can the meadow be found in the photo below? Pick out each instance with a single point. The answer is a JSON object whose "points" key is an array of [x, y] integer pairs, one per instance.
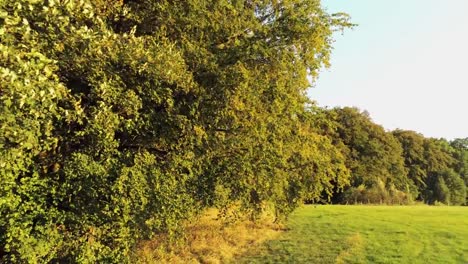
{"points": [[368, 234]]}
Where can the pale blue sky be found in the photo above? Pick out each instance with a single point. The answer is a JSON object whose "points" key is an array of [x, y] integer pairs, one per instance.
{"points": [[406, 63]]}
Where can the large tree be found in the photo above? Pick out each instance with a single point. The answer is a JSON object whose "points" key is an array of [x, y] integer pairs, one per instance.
{"points": [[373, 155], [441, 165], [120, 119], [460, 146], [415, 159], [435, 166]]}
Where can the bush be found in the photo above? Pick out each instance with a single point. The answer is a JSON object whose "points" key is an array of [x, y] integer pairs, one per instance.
{"points": [[377, 194]]}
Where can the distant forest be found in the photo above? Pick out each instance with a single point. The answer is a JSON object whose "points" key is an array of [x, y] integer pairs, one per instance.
{"points": [[395, 167], [121, 120]]}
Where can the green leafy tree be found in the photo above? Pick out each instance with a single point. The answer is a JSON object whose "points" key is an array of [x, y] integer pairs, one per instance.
{"points": [[250, 60], [122, 119], [373, 156], [435, 166], [415, 159], [449, 188], [460, 146], [438, 155], [96, 148]]}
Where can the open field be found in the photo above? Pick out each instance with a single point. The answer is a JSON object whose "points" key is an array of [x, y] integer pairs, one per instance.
{"points": [[369, 234]]}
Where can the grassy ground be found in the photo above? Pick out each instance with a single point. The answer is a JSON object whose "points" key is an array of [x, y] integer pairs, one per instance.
{"points": [[369, 234], [209, 240]]}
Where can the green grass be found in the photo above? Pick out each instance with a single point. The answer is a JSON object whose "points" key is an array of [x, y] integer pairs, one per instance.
{"points": [[369, 234]]}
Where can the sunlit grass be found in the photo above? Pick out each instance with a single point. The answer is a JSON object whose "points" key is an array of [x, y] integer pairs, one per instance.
{"points": [[369, 234], [209, 240]]}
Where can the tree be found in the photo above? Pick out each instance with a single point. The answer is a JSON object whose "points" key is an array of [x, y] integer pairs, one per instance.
{"points": [[121, 119], [435, 166], [460, 145], [414, 150], [85, 174], [461, 155], [373, 156], [439, 159], [449, 188]]}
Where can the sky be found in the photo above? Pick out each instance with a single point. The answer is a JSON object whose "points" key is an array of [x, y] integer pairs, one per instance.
{"points": [[406, 63]]}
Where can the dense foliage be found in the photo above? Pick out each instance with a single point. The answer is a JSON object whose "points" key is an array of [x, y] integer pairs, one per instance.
{"points": [[121, 119], [397, 167], [373, 156]]}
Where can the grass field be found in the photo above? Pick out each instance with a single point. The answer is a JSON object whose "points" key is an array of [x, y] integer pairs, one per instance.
{"points": [[369, 234]]}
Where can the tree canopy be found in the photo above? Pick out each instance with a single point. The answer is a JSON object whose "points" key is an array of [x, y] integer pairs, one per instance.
{"points": [[394, 166], [121, 119]]}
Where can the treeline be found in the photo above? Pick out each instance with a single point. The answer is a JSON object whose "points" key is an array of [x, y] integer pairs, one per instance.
{"points": [[120, 120], [396, 167]]}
